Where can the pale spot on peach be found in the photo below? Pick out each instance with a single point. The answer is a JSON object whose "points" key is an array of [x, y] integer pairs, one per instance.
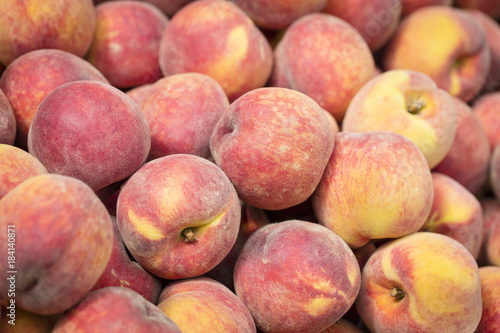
{"points": [[144, 227], [113, 272], [318, 305], [352, 274], [455, 85], [124, 283]]}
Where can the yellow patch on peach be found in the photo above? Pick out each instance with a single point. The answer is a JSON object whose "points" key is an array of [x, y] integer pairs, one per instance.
{"points": [[318, 305], [144, 227]]}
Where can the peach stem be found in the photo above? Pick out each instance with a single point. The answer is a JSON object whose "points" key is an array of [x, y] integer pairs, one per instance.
{"points": [[397, 294], [189, 236]]}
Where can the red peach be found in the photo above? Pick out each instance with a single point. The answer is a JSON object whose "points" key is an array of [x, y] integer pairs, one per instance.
{"points": [[490, 292], [487, 109], [7, 121], [409, 6], [492, 244], [490, 7], [495, 171]]}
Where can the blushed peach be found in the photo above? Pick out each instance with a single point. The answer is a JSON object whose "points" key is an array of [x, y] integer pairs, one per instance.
{"points": [[7, 121]]}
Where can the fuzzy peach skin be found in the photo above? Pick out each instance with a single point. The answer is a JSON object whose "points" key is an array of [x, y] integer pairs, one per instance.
{"points": [[32, 76], [179, 216], [468, 159], [67, 25], [63, 242], [409, 103], [409, 6], [423, 282], [205, 305], [91, 131], [492, 31], [26, 322], [375, 20], [278, 14], [273, 144], [490, 7], [218, 39], [492, 244], [126, 42], [376, 185], [490, 291], [325, 58], [115, 310], [121, 271], [17, 166], [296, 276], [494, 176], [487, 109], [7, 121], [182, 111], [139, 93], [456, 213], [491, 213], [456, 56]]}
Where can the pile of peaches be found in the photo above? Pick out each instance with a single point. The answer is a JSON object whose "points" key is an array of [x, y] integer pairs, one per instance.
{"points": [[242, 166]]}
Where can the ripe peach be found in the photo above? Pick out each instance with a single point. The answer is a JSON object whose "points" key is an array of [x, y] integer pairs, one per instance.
{"points": [[423, 282], [218, 39], [490, 291], [273, 144], [492, 244], [179, 216], [487, 109], [376, 185], [91, 131], [67, 25], [7, 121], [296, 276], [21, 321], [409, 6], [32, 76], [343, 326], [62, 235], [325, 58], [205, 305], [127, 41], [495, 171], [456, 56]]}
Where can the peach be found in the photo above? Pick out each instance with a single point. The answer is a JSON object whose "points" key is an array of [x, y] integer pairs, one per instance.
{"points": [[273, 144], [468, 159], [113, 310], [139, 93], [45, 24], [456, 56], [121, 271], [487, 109], [456, 213], [423, 282], [278, 14], [492, 31], [17, 166], [325, 58], [490, 291], [492, 244], [91, 131], [296, 276], [169, 7], [409, 6], [127, 41], [60, 238], [495, 172], [408, 103], [21, 321], [343, 326], [218, 39], [491, 213], [205, 305], [375, 20], [179, 216], [32, 76], [7, 121], [490, 7], [376, 185], [182, 111]]}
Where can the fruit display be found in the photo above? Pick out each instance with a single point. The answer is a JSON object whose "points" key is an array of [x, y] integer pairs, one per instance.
{"points": [[260, 166]]}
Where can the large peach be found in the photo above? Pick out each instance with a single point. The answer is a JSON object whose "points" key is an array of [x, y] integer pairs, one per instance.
{"points": [[273, 144], [179, 216], [217, 38], [490, 291], [487, 109], [376, 185], [7, 121], [32, 76], [375, 20], [325, 58], [182, 111], [91, 131], [127, 41], [205, 305], [296, 276], [408, 103], [278, 14], [423, 282], [17, 166], [456, 56], [45, 24], [115, 310], [456, 213], [468, 159], [58, 236]]}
